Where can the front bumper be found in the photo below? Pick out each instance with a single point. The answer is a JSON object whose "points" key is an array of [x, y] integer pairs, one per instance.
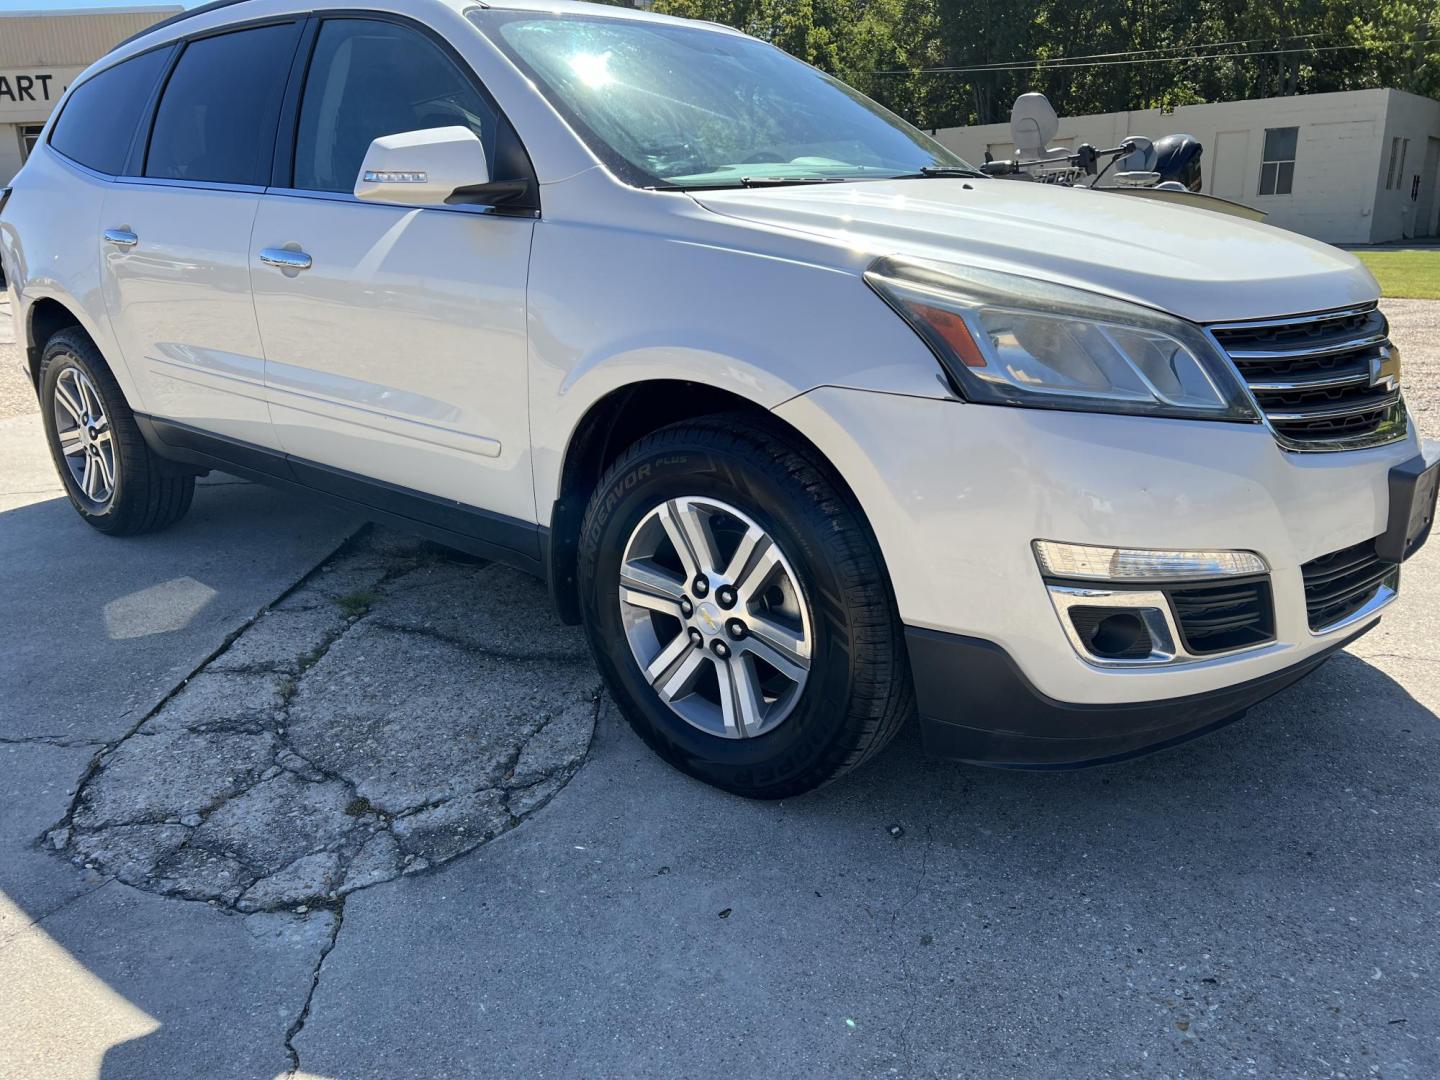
{"points": [[956, 493], [961, 681]]}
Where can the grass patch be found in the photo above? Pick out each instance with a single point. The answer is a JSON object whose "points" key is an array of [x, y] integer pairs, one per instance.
{"points": [[1405, 273], [307, 660], [356, 604]]}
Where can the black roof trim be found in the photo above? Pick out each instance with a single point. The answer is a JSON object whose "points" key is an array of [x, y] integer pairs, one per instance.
{"points": [[214, 5]]}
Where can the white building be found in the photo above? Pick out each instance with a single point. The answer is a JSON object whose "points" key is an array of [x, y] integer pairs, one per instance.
{"points": [[1360, 167], [40, 52]]}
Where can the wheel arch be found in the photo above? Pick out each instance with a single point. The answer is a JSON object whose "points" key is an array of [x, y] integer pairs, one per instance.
{"points": [[615, 422], [46, 317]]}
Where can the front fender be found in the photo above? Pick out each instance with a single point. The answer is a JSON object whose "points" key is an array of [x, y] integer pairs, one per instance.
{"points": [[611, 307]]}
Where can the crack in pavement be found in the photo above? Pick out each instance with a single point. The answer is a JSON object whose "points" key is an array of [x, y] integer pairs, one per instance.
{"points": [[907, 1046], [18, 932], [107, 747], [341, 739], [1397, 656], [298, 1024], [393, 710]]}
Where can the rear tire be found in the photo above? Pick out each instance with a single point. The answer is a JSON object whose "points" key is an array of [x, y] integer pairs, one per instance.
{"points": [[114, 481], [839, 686]]}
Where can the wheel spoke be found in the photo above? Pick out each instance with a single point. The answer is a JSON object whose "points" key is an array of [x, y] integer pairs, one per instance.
{"points": [[651, 602], [87, 480], [668, 657], [67, 399], [682, 679], [106, 473], [668, 520], [695, 528], [753, 540], [780, 647], [652, 579], [741, 702], [71, 443], [87, 402], [761, 568]]}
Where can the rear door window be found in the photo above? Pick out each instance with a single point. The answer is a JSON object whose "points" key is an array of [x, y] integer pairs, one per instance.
{"points": [[217, 116], [99, 121]]}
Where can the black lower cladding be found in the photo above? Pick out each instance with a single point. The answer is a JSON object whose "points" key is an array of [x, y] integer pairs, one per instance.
{"points": [[977, 705], [467, 528]]}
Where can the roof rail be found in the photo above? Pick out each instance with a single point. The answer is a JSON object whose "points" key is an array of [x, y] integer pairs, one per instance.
{"points": [[214, 5]]}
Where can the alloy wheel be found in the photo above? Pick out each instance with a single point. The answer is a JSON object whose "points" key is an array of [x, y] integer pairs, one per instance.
{"points": [[87, 443], [716, 617]]}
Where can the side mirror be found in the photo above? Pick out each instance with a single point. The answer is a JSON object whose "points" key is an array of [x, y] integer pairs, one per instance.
{"points": [[422, 168]]}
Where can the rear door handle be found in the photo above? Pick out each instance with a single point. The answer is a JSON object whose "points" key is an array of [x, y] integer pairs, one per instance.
{"points": [[121, 237], [285, 259]]}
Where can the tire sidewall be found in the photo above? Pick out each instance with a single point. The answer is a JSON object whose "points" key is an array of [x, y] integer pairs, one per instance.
{"points": [[808, 737], [59, 355]]}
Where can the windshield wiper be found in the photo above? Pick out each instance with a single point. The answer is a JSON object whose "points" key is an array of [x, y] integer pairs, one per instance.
{"points": [[777, 181], [928, 171]]}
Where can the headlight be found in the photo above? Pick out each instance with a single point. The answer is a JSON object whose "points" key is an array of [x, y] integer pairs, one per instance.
{"points": [[1012, 340]]}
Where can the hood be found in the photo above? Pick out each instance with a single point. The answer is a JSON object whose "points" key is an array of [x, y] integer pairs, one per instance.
{"points": [[1199, 265]]}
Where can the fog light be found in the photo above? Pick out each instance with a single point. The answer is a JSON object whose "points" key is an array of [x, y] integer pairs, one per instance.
{"points": [[1111, 633], [1091, 563], [1126, 627]]}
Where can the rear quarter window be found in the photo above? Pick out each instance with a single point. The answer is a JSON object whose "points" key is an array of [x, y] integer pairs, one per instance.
{"points": [[100, 118]]}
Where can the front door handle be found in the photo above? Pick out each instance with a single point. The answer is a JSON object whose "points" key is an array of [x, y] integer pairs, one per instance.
{"points": [[285, 259], [121, 237]]}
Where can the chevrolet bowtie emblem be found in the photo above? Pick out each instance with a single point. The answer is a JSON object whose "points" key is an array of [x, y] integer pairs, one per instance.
{"points": [[1385, 369], [709, 617]]}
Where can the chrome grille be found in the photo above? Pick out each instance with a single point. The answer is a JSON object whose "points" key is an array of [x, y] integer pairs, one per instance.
{"points": [[1318, 378]]}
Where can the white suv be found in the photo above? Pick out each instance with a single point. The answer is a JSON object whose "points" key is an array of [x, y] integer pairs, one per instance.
{"points": [[809, 422]]}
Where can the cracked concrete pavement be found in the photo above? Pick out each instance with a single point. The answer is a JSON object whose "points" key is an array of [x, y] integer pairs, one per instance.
{"points": [[316, 822], [357, 731]]}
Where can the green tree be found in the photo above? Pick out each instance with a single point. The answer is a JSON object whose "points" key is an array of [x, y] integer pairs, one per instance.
{"points": [[1100, 56]]}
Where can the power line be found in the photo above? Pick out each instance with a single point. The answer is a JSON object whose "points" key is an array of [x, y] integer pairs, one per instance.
{"points": [[1132, 52], [1042, 65]]}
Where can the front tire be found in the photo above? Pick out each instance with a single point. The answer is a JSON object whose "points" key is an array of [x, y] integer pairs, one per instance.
{"points": [[739, 610], [114, 481]]}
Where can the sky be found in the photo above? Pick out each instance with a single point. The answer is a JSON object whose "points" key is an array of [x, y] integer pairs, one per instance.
{"points": [[83, 5]]}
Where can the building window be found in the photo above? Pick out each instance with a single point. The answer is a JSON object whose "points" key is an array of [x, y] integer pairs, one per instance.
{"points": [[1277, 169], [1395, 175], [29, 136]]}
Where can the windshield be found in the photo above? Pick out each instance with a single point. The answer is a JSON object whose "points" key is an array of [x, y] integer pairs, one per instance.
{"points": [[690, 107]]}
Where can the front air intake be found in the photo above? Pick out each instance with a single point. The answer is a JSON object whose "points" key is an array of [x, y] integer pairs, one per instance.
{"points": [[1340, 585]]}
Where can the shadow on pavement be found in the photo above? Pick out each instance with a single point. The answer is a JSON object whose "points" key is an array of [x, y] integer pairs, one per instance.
{"points": [[97, 630], [1261, 899], [102, 626], [1264, 898]]}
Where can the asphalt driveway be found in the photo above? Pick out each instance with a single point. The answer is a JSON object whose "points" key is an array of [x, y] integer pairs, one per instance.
{"points": [[280, 799]]}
